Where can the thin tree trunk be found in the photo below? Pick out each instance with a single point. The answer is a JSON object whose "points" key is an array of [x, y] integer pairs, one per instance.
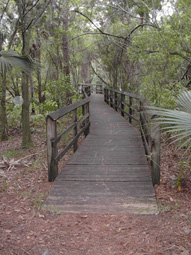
{"points": [[66, 65], [3, 115], [38, 57], [26, 132], [65, 39]]}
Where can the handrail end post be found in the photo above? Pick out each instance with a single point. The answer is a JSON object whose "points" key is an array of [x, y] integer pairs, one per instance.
{"points": [[51, 132], [155, 153]]}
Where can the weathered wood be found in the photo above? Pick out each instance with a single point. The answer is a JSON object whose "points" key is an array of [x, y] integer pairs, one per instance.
{"points": [[130, 109], [61, 112], [111, 98], [155, 153], [122, 104], [53, 139], [75, 118], [86, 111], [51, 150], [146, 145], [109, 171], [64, 132], [115, 94], [139, 114], [74, 140]]}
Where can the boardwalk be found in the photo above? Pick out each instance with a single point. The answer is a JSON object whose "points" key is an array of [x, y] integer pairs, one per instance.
{"points": [[109, 172]]}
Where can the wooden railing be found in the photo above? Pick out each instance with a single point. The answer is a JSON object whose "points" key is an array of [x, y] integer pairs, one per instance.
{"points": [[78, 126], [95, 88], [135, 108]]}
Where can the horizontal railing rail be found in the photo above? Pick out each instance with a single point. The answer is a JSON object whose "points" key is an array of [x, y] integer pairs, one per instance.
{"points": [[135, 108], [79, 126], [95, 88]]}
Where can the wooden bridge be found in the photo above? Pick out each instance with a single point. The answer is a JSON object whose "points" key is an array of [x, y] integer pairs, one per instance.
{"points": [[109, 172]]}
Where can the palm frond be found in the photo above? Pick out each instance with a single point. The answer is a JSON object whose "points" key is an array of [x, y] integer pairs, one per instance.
{"points": [[9, 59], [184, 101], [178, 121]]}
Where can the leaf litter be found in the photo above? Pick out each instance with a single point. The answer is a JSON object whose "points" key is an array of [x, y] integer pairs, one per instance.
{"points": [[28, 229]]}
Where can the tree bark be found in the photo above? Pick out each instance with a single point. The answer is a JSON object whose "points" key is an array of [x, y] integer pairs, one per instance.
{"points": [[65, 39], [38, 57], [26, 132], [3, 115]]}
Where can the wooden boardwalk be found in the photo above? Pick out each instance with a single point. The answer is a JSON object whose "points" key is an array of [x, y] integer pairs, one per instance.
{"points": [[109, 172]]}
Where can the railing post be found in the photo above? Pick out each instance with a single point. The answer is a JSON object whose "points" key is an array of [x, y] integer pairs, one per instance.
{"points": [[75, 132], [105, 95], [90, 90], [122, 105], [116, 101], [155, 153], [111, 98], [51, 150], [130, 109], [108, 96], [86, 110], [102, 89]]}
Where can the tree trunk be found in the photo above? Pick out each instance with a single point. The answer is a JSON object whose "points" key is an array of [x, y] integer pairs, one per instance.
{"points": [[26, 135], [65, 39], [3, 115], [38, 57]]}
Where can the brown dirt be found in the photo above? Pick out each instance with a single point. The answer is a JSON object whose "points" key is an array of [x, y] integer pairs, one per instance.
{"points": [[28, 229]]}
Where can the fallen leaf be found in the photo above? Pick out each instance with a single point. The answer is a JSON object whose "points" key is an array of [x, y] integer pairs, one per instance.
{"points": [[8, 231], [9, 212]]}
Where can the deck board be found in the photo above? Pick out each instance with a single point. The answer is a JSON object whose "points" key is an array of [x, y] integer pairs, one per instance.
{"points": [[109, 171]]}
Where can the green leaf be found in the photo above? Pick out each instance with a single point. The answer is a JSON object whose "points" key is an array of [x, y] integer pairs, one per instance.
{"points": [[9, 59]]}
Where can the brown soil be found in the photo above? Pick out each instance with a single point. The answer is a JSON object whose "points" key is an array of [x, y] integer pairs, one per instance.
{"points": [[28, 229]]}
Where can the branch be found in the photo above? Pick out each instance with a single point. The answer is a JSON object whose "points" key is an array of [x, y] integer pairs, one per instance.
{"points": [[86, 33], [125, 11], [101, 32], [31, 8], [32, 22], [180, 55], [4, 10], [142, 25], [99, 76]]}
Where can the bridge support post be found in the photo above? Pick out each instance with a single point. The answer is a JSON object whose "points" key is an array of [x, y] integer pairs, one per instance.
{"points": [[51, 150], [106, 95], [86, 110], [111, 99], [115, 101], [155, 153], [75, 132], [122, 104], [130, 109]]}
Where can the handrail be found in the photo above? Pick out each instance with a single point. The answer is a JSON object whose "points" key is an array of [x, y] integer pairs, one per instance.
{"points": [[53, 138], [95, 88], [134, 107]]}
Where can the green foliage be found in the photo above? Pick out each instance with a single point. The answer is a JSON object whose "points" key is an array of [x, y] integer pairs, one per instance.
{"points": [[177, 121], [9, 59], [58, 94], [12, 153], [37, 200]]}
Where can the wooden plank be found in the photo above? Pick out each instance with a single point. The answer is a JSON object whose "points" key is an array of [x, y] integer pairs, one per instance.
{"points": [[59, 113], [71, 143], [123, 173], [102, 197], [109, 171]]}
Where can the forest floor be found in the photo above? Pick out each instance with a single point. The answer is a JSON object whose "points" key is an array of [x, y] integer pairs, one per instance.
{"points": [[28, 229]]}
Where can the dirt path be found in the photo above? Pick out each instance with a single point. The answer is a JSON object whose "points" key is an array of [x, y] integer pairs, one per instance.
{"points": [[27, 229]]}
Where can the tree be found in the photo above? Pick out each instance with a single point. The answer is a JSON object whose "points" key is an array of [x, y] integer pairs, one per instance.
{"points": [[9, 59], [177, 121]]}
